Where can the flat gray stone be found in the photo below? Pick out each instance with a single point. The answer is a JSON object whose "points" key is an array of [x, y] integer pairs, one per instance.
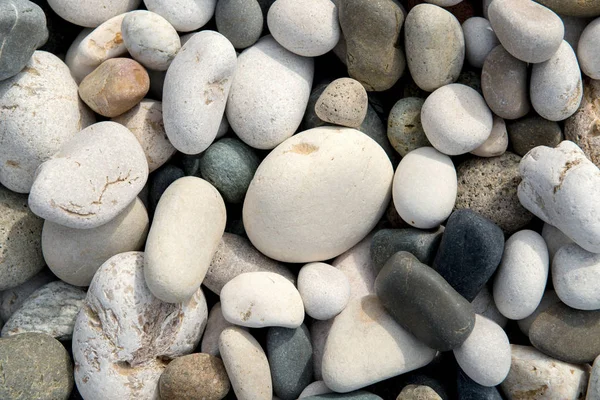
{"points": [[532, 131]]}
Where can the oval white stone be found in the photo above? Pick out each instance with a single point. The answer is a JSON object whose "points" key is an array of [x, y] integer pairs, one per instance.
{"points": [[587, 50], [91, 13], [184, 15], [317, 195], [575, 275], [188, 223], [325, 290], [424, 188]]}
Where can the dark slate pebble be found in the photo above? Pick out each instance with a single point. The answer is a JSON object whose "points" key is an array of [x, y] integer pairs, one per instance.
{"points": [[356, 395], [422, 302], [567, 334], [22, 30], [387, 242], [160, 181], [470, 252], [532, 131], [468, 389], [290, 356], [229, 165]]}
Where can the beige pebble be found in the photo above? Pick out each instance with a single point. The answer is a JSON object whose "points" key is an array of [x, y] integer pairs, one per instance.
{"points": [[344, 102]]}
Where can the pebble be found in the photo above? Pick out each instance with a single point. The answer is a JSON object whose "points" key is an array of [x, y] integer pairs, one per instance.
{"points": [[527, 30], [261, 299], [469, 253], [229, 165], [574, 27], [486, 355], [593, 388], [325, 290], [94, 46], [150, 39], [194, 377], [159, 182], [435, 47], [288, 204], [575, 273], [497, 143], [20, 240], [356, 264], [234, 256], [39, 102], [289, 352], [521, 277], [314, 389], [240, 21], [184, 15], [587, 54], [12, 299], [504, 81], [215, 325], [265, 112], [532, 131], [483, 304], [554, 183], [499, 200], [387, 242], [556, 88], [424, 188], [549, 299], [145, 121], [567, 334], [187, 226], [103, 179], [51, 309], [573, 7], [468, 389], [343, 102], [309, 29], [480, 39], [582, 127], [115, 87], [456, 119], [418, 392], [404, 130], [123, 333], [74, 255], [355, 395], [534, 374], [34, 366], [371, 31], [365, 345], [554, 238], [239, 350], [23, 26], [442, 319], [195, 91], [91, 15]]}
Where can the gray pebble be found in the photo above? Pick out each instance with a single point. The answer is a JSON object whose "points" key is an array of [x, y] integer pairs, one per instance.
{"points": [[405, 131], [532, 131], [480, 39], [12, 299], [240, 21]]}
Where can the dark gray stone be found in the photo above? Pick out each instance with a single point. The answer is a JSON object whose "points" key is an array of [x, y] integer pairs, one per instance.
{"points": [[387, 242], [289, 352], [356, 395], [240, 21], [468, 389], [229, 165], [532, 131], [422, 302], [22, 30], [34, 366], [160, 181], [470, 252], [471, 79]]}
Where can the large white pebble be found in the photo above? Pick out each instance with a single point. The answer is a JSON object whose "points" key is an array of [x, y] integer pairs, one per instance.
{"points": [[317, 195], [521, 277], [554, 238], [123, 335], [480, 39], [150, 39], [309, 28], [325, 290], [184, 15], [74, 255], [424, 188], [260, 299], [365, 345], [91, 13], [588, 52], [92, 47], [187, 226], [269, 93], [246, 365], [214, 326], [575, 275], [40, 110], [556, 89], [485, 355], [93, 177], [195, 91], [456, 119]]}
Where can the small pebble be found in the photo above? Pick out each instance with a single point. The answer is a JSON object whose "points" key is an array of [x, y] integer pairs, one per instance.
{"points": [[405, 131], [532, 131], [418, 392], [582, 127], [12, 299], [240, 21], [497, 143], [480, 39], [325, 290], [184, 15], [343, 102], [575, 273]]}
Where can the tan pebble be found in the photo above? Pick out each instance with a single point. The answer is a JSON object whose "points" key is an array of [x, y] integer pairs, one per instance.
{"points": [[344, 102]]}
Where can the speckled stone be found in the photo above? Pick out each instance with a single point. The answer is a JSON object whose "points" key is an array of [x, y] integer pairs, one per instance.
{"points": [[229, 165], [194, 377], [387, 242], [418, 392], [404, 129], [488, 186], [532, 131], [583, 127], [343, 102], [240, 21], [289, 352], [12, 299], [34, 366]]}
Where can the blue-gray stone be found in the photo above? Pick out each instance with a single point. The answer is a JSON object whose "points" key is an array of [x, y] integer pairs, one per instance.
{"points": [[468, 389], [160, 181], [289, 352], [387, 242]]}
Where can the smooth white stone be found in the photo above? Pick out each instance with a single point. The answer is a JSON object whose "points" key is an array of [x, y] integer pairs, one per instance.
{"points": [[184, 15], [324, 289], [575, 275], [91, 13]]}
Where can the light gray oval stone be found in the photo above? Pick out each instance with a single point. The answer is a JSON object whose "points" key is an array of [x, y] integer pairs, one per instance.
{"points": [[91, 14], [324, 289], [480, 39], [587, 51], [497, 143], [51, 309], [11, 299], [575, 274], [240, 21], [184, 15]]}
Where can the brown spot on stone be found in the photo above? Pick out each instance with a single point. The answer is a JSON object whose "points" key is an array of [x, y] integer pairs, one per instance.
{"points": [[31, 70], [11, 163], [530, 394], [303, 148], [563, 173], [246, 315]]}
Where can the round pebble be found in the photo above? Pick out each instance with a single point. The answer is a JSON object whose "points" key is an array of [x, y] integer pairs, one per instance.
{"points": [[343, 102], [582, 127], [325, 290], [184, 15], [240, 21], [574, 275], [480, 39], [405, 131], [497, 143], [91, 14], [532, 131]]}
